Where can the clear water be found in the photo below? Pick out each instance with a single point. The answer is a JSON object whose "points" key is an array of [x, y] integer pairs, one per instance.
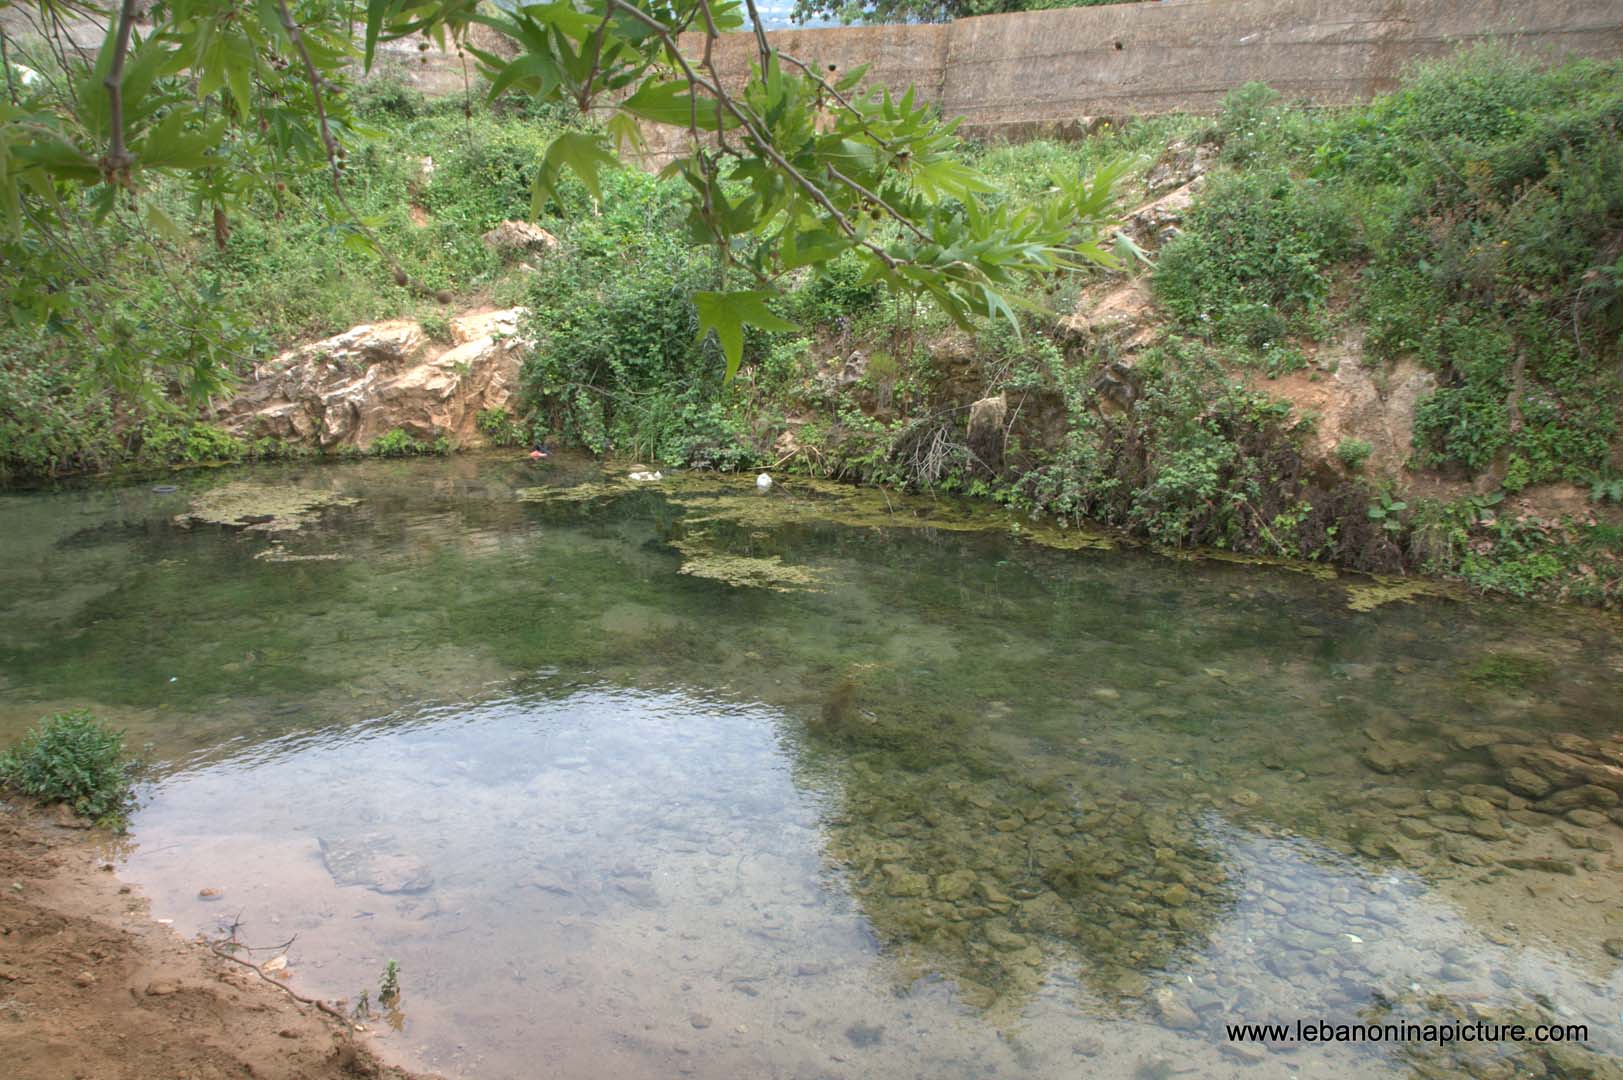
{"points": [[957, 803]]}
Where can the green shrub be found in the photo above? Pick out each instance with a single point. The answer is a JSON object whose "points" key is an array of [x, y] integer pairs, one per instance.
{"points": [[437, 327], [165, 443], [1257, 126], [1353, 453], [1250, 266], [398, 443], [75, 759], [499, 426], [1491, 270], [835, 295], [383, 98]]}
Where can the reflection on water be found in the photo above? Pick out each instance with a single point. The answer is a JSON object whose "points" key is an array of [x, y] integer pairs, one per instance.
{"points": [[956, 804]]}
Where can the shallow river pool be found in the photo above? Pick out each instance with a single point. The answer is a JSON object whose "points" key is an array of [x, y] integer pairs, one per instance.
{"points": [[675, 778]]}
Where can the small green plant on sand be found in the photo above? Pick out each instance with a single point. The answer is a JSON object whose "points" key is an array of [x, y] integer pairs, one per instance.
{"points": [[363, 1005], [389, 984], [75, 759]]}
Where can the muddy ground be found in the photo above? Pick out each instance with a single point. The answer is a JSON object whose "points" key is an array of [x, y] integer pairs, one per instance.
{"points": [[91, 988]]}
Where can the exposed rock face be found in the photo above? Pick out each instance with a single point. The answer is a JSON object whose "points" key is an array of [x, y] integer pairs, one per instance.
{"points": [[1156, 222], [1179, 164], [348, 390], [1120, 315], [1353, 401], [985, 435], [514, 238]]}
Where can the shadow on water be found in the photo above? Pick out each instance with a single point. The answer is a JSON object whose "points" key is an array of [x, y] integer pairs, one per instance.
{"points": [[680, 778]]}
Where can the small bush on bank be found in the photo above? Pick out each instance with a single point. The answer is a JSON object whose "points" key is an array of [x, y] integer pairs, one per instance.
{"points": [[74, 759]]}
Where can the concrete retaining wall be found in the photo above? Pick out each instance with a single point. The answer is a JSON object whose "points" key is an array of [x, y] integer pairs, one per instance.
{"points": [[1010, 74]]}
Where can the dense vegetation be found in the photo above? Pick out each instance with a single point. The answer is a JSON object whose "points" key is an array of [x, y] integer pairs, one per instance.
{"points": [[284, 272], [1470, 223], [1481, 209], [225, 110]]}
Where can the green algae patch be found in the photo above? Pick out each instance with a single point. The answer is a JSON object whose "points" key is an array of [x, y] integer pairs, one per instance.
{"points": [[744, 571], [1369, 595], [707, 498], [1062, 538], [253, 507], [1512, 671], [590, 491], [1317, 571]]}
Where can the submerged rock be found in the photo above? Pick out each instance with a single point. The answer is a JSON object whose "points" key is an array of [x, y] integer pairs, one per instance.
{"points": [[1000, 937], [1395, 757], [1174, 1012], [900, 881], [1584, 795], [955, 885], [1527, 782], [373, 863], [1544, 863], [259, 507]]}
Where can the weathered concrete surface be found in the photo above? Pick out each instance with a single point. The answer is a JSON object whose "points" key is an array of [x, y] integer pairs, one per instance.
{"points": [[1043, 72]]}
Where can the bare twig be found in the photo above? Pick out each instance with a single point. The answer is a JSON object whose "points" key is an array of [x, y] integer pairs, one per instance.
{"points": [[761, 45], [289, 991], [5, 61], [467, 99], [63, 35], [115, 167]]}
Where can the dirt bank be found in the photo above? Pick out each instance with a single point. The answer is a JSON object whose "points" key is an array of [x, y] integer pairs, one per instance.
{"points": [[91, 987]]}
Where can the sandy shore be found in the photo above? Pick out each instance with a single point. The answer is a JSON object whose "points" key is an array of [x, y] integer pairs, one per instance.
{"points": [[92, 987]]}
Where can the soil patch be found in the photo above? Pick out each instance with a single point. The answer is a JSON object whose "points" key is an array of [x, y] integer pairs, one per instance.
{"points": [[90, 986]]}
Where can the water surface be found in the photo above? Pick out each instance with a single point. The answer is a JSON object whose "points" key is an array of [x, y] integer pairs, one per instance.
{"points": [[678, 779]]}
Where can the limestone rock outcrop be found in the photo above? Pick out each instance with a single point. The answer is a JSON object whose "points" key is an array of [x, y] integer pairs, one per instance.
{"points": [[1156, 222], [1350, 399], [347, 390], [512, 239], [1117, 314]]}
